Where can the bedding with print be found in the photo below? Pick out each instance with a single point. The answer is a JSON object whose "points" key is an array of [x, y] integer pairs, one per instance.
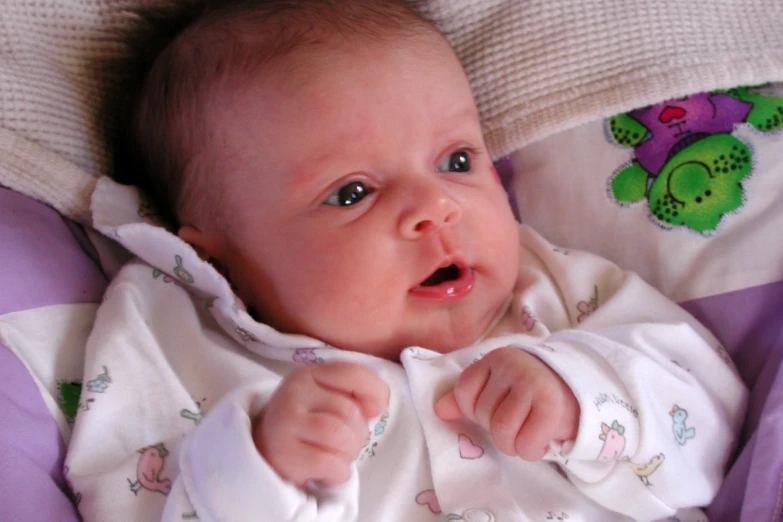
{"points": [[646, 131]]}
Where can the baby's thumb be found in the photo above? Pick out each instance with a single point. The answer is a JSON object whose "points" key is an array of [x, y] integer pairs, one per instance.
{"points": [[446, 408]]}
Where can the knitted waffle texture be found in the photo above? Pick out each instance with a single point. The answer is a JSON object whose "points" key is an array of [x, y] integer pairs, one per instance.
{"points": [[537, 67]]}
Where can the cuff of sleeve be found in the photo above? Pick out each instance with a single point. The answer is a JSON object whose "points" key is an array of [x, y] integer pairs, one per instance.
{"points": [[226, 479], [608, 421]]}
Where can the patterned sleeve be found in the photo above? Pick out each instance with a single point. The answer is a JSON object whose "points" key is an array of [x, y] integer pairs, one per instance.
{"points": [[661, 404], [225, 478], [146, 445]]}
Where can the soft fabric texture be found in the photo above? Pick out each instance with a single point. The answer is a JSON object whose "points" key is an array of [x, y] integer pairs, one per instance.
{"points": [[724, 264], [692, 204], [554, 64], [749, 324], [32, 485], [45, 263], [661, 441], [46, 259], [537, 67]]}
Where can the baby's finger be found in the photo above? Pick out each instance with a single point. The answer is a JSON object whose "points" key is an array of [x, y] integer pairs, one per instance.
{"points": [[508, 419], [357, 382], [469, 387], [446, 408], [322, 400], [314, 463], [537, 431], [332, 434], [494, 393]]}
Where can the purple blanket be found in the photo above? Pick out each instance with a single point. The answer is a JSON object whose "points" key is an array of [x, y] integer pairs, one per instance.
{"points": [[750, 325], [44, 263]]}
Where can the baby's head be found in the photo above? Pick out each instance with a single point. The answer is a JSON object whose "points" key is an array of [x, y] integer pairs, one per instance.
{"points": [[327, 157]]}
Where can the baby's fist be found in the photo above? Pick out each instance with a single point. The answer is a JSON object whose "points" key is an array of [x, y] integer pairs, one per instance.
{"points": [[518, 399], [315, 424]]}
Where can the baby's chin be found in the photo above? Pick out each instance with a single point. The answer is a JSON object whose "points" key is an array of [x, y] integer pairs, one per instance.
{"points": [[441, 343], [453, 343]]}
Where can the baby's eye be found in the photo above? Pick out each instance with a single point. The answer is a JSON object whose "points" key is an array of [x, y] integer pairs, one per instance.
{"points": [[458, 161], [348, 195]]}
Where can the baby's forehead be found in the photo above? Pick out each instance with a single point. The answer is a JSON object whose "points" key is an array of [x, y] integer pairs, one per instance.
{"points": [[262, 32], [302, 77], [250, 110]]}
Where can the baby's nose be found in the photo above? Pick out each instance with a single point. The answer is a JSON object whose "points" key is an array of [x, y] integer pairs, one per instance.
{"points": [[430, 209]]}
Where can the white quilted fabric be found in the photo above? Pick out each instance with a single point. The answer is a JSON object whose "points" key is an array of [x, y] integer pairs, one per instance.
{"points": [[537, 67], [542, 66]]}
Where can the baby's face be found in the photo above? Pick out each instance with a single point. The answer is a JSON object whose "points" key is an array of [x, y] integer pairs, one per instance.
{"points": [[366, 210]]}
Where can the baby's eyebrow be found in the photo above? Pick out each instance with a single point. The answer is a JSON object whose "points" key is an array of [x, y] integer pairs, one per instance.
{"points": [[459, 121], [467, 111], [458, 110], [305, 174], [307, 171], [300, 178]]}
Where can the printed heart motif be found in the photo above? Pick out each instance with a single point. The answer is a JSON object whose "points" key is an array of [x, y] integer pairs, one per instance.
{"points": [[670, 113], [428, 498], [468, 450]]}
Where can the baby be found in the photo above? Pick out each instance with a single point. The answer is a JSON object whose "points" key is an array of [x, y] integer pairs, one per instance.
{"points": [[324, 160]]}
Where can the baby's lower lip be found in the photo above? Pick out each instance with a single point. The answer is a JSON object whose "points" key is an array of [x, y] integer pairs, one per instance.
{"points": [[448, 290]]}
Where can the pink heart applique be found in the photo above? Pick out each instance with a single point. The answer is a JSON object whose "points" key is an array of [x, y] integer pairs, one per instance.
{"points": [[670, 113], [468, 450], [428, 498]]}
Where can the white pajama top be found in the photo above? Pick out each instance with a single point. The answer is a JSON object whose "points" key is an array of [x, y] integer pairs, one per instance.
{"points": [[176, 370]]}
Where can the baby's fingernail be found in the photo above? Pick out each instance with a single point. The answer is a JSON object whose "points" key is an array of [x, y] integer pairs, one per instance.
{"points": [[446, 407]]}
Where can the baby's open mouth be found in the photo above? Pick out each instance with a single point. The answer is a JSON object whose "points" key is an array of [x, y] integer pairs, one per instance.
{"points": [[442, 275], [446, 284]]}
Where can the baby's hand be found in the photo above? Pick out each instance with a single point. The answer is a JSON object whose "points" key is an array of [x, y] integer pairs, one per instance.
{"points": [[316, 422], [518, 399]]}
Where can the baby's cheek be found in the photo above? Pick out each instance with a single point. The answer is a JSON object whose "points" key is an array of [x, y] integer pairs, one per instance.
{"points": [[495, 175]]}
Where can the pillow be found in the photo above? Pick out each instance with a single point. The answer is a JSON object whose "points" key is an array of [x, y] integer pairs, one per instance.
{"points": [[687, 193], [46, 259], [45, 262], [536, 68]]}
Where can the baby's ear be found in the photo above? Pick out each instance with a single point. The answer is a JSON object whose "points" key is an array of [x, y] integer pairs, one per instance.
{"points": [[201, 242], [211, 248]]}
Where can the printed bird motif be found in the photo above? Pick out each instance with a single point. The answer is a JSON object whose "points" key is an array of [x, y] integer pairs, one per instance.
{"points": [[643, 471], [148, 470], [681, 432], [614, 441]]}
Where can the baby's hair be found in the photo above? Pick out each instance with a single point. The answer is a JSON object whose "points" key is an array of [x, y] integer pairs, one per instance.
{"points": [[189, 60]]}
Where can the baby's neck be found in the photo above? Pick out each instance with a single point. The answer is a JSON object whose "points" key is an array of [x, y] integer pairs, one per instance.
{"points": [[496, 326]]}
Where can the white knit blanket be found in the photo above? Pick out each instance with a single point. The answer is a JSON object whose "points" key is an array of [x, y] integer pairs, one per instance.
{"points": [[537, 66]]}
